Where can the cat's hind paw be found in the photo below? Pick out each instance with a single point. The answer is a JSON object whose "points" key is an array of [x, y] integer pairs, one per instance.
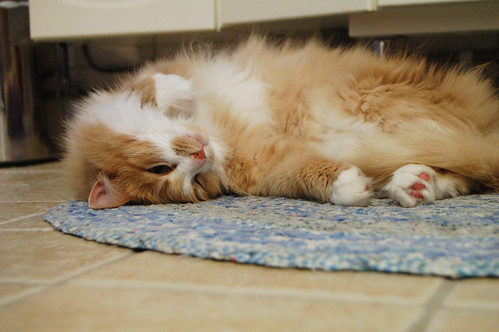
{"points": [[413, 184], [351, 187]]}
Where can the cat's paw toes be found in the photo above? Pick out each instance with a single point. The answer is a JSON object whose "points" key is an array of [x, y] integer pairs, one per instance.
{"points": [[174, 94], [351, 187], [413, 184]]}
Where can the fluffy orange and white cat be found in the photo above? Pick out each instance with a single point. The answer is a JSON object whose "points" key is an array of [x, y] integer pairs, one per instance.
{"points": [[332, 125]]}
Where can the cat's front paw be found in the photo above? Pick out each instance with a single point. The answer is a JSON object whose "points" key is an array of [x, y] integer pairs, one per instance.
{"points": [[413, 184], [351, 187], [174, 94]]}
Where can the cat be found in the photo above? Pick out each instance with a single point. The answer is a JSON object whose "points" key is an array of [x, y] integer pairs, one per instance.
{"points": [[293, 120]]}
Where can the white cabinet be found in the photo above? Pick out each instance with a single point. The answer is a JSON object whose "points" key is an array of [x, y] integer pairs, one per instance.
{"points": [[398, 17], [68, 19], [386, 3], [64, 19], [235, 12]]}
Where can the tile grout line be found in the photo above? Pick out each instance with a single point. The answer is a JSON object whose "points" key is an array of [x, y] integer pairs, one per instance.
{"points": [[245, 291], [79, 272], [57, 281], [24, 281], [22, 217], [433, 305], [473, 306], [22, 171], [35, 201], [30, 173], [23, 295], [37, 229]]}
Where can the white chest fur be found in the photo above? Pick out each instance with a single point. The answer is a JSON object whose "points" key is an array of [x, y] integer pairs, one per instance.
{"points": [[240, 88], [340, 132]]}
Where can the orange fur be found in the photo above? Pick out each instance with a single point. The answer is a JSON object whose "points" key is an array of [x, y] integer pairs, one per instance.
{"points": [[327, 109]]}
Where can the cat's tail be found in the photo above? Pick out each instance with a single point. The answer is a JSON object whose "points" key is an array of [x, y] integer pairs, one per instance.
{"points": [[465, 151]]}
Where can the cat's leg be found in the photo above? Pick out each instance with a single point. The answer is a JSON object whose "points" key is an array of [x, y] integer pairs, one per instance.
{"points": [[351, 187], [319, 179], [172, 94], [413, 184]]}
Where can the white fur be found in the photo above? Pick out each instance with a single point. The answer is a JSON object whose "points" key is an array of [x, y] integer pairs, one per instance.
{"points": [[175, 95], [399, 187], [240, 88], [350, 188], [190, 166], [341, 132], [124, 114]]}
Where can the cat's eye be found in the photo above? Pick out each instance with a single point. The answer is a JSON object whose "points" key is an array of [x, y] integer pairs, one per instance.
{"points": [[161, 169]]}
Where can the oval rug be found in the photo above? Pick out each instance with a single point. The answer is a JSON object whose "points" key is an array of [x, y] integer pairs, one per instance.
{"points": [[455, 238]]}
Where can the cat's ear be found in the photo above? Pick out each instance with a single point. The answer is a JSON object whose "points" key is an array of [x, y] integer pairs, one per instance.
{"points": [[105, 195]]}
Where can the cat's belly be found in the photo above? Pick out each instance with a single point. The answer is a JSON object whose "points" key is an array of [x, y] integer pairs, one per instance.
{"points": [[339, 145], [241, 89], [342, 135]]}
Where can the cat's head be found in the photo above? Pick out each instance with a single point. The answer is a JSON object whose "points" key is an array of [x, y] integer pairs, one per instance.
{"points": [[120, 151]]}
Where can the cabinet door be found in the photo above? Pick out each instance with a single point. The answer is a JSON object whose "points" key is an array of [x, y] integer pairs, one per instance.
{"points": [[386, 3], [449, 16], [62, 19], [234, 12]]}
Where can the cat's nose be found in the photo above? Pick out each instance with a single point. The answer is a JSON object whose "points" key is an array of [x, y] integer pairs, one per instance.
{"points": [[200, 155]]}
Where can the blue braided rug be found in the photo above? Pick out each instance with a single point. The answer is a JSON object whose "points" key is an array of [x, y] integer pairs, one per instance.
{"points": [[455, 238]]}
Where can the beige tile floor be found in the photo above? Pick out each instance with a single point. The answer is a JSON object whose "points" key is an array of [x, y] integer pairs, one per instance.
{"points": [[55, 282]]}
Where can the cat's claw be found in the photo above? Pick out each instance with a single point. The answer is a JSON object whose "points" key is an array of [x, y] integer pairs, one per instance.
{"points": [[414, 184], [351, 187]]}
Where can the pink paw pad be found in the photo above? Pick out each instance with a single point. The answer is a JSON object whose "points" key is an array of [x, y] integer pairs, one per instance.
{"points": [[417, 194], [418, 186], [424, 176]]}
